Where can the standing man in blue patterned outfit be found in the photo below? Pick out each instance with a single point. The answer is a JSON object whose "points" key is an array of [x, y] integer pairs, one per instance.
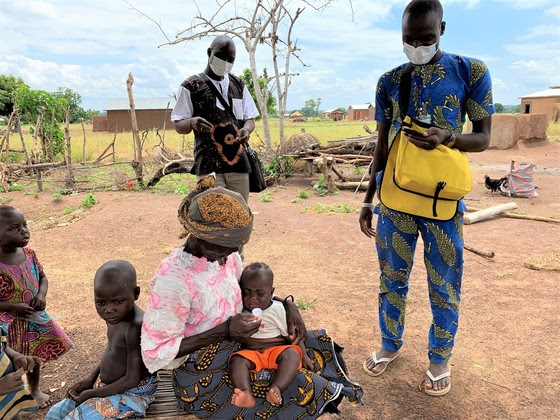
{"points": [[443, 88], [219, 137]]}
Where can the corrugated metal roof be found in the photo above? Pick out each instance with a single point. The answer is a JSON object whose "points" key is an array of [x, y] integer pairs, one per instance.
{"points": [[119, 104], [544, 93], [361, 106]]}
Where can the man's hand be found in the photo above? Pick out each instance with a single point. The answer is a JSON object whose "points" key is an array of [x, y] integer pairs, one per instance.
{"points": [[23, 310], [12, 382], [430, 139], [243, 135], [365, 222], [201, 125], [39, 302]]}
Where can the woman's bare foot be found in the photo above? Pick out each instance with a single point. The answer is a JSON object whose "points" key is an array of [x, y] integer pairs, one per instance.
{"points": [[437, 369], [242, 398], [378, 368], [274, 395], [43, 400]]}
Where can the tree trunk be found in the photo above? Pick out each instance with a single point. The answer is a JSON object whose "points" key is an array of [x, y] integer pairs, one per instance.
{"points": [[50, 146], [137, 162], [84, 145], [260, 100], [27, 158], [70, 174]]}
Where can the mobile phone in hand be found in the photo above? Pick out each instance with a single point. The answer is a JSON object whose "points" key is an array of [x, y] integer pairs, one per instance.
{"points": [[412, 132]]}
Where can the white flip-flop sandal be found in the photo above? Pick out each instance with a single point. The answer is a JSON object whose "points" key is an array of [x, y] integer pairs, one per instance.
{"points": [[373, 356], [439, 392]]}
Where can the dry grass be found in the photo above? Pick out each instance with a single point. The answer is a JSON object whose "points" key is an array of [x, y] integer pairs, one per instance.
{"points": [[553, 131], [544, 263], [98, 141]]}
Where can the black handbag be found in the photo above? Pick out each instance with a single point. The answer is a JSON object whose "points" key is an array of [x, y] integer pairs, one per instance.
{"points": [[257, 182]]}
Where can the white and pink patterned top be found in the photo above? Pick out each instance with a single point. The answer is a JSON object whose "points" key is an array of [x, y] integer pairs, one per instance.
{"points": [[189, 296]]}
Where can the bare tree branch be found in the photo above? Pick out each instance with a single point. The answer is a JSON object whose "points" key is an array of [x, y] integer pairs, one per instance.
{"points": [[158, 24]]}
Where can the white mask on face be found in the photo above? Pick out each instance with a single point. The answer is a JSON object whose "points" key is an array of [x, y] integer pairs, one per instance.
{"points": [[420, 55], [220, 67]]}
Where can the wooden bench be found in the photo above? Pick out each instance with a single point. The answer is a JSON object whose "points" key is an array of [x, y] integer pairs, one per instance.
{"points": [[165, 404]]}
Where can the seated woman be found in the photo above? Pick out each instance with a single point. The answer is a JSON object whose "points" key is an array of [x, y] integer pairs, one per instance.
{"points": [[194, 322]]}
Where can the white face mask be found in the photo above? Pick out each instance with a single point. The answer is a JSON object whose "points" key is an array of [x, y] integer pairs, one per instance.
{"points": [[220, 67], [420, 55]]}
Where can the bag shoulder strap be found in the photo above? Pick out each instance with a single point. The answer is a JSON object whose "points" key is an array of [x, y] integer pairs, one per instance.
{"points": [[404, 89], [220, 97]]}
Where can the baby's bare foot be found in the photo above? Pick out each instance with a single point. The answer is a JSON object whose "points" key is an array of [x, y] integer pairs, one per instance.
{"points": [[242, 398], [274, 395]]}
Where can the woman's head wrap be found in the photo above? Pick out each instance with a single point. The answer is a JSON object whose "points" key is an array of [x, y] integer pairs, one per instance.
{"points": [[216, 215]]}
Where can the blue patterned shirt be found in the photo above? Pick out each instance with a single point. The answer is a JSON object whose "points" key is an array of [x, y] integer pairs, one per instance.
{"points": [[447, 90]]}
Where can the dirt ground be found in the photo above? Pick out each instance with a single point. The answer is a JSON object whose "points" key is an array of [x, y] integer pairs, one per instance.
{"points": [[506, 362]]}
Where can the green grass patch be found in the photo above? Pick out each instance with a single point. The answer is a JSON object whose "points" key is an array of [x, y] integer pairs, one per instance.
{"points": [[68, 210], [57, 197], [305, 305], [303, 194], [334, 208], [14, 187], [265, 198], [5, 200]]}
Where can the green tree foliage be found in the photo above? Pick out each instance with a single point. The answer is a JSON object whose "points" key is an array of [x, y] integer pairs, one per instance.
{"points": [[248, 80], [309, 108], [75, 104], [499, 108], [8, 86], [29, 101]]}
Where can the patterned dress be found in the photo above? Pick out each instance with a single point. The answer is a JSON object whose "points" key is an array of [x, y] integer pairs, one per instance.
{"points": [[38, 335], [14, 402], [442, 94], [191, 295]]}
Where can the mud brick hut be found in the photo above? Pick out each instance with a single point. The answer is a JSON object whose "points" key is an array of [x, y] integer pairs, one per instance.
{"points": [[361, 112], [333, 114], [150, 113], [543, 102]]}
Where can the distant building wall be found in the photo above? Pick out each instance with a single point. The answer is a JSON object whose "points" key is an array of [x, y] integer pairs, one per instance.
{"points": [[99, 123], [147, 119], [361, 114], [540, 106]]}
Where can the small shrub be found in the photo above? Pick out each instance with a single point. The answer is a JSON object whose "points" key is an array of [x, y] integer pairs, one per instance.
{"points": [[15, 187], [320, 187], [89, 201], [265, 198], [303, 194], [68, 210], [57, 197], [274, 167], [296, 200], [304, 305], [181, 189], [358, 170]]}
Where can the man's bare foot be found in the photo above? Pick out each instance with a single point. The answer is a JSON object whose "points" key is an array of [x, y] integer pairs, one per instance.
{"points": [[43, 400], [242, 398], [274, 395], [377, 369], [437, 369]]}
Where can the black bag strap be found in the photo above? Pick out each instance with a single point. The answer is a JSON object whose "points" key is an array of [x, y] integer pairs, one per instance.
{"points": [[220, 97], [404, 89]]}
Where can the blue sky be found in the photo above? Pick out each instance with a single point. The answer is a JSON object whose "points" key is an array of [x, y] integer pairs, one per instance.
{"points": [[92, 45]]}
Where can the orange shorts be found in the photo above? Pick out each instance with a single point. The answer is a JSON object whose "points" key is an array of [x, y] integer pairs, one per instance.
{"points": [[266, 359]]}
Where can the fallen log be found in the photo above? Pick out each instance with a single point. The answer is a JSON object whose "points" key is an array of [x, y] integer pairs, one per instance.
{"points": [[482, 253], [352, 185], [485, 214], [521, 216]]}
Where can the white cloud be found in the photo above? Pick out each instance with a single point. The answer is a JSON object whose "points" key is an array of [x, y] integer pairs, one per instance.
{"points": [[552, 31]]}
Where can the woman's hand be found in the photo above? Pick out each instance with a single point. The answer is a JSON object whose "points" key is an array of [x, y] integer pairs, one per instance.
{"points": [[296, 327], [12, 382], [28, 363], [242, 326], [307, 363]]}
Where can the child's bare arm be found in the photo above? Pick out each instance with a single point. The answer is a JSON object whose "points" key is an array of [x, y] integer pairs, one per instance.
{"points": [[39, 302], [134, 368], [83, 385]]}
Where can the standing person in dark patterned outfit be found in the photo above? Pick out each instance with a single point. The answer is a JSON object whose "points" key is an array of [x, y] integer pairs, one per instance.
{"points": [[219, 141], [444, 87]]}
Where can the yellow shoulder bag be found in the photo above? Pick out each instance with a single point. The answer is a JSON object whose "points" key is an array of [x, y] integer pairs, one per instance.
{"points": [[427, 183]]}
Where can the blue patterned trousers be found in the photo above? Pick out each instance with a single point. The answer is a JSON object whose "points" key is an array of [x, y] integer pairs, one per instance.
{"points": [[397, 234]]}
